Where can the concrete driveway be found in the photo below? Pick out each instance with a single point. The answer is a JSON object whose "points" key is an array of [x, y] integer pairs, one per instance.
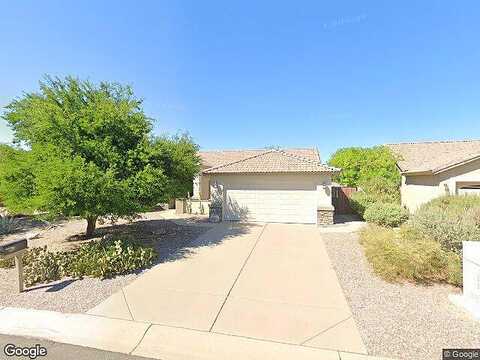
{"points": [[267, 281]]}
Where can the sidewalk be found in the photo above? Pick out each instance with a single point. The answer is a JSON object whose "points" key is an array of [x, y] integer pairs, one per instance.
{"points": [[154, 341]]}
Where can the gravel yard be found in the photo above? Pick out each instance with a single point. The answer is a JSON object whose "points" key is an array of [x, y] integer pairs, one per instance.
{"points": [[402, 321], [169, 237]]}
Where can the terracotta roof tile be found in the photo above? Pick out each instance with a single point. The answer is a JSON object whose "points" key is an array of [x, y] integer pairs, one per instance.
{"points": [[277, 161], [221, 157], [434, 156]]}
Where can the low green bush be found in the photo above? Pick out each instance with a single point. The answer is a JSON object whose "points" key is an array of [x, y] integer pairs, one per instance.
{"points": [[384, 190], [372, 191], [6, 264], [43, 266], [111, 257], [450, 220], [386, 214], [407, 255], [101, 259], [360, 201]]}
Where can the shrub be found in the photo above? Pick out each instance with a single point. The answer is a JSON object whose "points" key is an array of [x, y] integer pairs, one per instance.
{"points": [[374, 190], [110, 257], [360, 201], [386, 214], [7, 224], [409, 255], [384, 190], [42, 266], [450, 220], [101, 259], [5, 264]]}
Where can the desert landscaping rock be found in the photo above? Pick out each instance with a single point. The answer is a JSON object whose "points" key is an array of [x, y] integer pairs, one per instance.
{"points": [[74, 295], [404, 321]]}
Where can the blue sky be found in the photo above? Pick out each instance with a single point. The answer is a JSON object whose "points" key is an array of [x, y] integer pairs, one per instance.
{"points": [[254, 74]]}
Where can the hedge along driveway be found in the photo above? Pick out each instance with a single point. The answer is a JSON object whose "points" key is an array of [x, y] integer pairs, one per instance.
{"points": [[271, 282]]}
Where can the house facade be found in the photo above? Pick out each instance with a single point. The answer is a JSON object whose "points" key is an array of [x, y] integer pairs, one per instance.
{"points": [[290, 185], [433, 169]]}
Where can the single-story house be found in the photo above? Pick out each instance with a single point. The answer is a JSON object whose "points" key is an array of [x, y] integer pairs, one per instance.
{"points": [[290, 185], [432, 169]]}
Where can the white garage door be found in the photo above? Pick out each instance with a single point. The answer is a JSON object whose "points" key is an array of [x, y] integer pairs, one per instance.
{"points": [[271, 202]]}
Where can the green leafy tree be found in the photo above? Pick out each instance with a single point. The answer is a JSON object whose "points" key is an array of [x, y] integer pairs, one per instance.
{"points": [[361, 165], [87, 150], [350, 160]]}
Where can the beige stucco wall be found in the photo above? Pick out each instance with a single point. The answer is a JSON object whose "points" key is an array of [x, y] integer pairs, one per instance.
{"points": [[199, 207], [419, 189], [201, 187]]}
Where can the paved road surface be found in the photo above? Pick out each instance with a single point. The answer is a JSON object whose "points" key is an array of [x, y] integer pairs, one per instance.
{"points": [[57, 351]]}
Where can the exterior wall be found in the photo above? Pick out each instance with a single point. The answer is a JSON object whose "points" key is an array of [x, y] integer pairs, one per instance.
{"points": [[199, 207], [419, 189], [201, 187], [318, 184], [196, 186]]}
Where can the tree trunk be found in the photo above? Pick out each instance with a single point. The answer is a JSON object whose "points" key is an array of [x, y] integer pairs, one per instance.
{"points": [[91, 224]]}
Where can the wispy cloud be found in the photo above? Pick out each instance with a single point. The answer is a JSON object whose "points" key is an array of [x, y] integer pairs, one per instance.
{"points": [[345, 20]]}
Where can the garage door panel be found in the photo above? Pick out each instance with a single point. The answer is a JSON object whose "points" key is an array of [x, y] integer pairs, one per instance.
{"points": [[271, 205]]}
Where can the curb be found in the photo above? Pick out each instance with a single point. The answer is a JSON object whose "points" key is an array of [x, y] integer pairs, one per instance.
{"points": [[154, 341], [76, 329]]}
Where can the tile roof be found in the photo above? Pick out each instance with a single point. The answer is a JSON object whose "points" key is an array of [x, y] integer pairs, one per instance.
{"points": [[435, 156], [272, 161], [222, 157]]}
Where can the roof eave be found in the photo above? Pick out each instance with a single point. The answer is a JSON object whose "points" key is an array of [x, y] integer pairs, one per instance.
{"points": [[442, 169], [206, 172], [416, 172]]}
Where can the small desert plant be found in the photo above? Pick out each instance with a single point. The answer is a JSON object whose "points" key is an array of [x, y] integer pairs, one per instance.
{"points": [[110, 257], [408, 255], [386, 214], [450, 220], [101, 259], [42, 266], [8, 224]]}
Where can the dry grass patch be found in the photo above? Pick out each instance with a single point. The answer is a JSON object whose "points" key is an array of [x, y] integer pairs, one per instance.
{"points": [[406, 255]]}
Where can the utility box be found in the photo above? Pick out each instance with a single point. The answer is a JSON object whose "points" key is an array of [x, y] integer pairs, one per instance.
{"points": [[470, 300]]}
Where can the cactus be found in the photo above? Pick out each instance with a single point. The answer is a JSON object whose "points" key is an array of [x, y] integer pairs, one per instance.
{"points": [[7, 224]]}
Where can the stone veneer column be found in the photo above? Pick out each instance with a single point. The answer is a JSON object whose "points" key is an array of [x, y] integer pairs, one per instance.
{"points": [[325, 215]]}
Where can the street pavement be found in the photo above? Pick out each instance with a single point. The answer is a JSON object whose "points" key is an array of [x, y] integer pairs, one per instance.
{"points": [[58, 351]]}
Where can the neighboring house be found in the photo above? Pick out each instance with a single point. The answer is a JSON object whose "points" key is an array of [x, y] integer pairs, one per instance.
{"points": [[432, 169], [290, 185]]}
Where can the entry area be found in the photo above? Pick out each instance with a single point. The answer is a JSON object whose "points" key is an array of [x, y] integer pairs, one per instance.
{"points": [[272, 282]]}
